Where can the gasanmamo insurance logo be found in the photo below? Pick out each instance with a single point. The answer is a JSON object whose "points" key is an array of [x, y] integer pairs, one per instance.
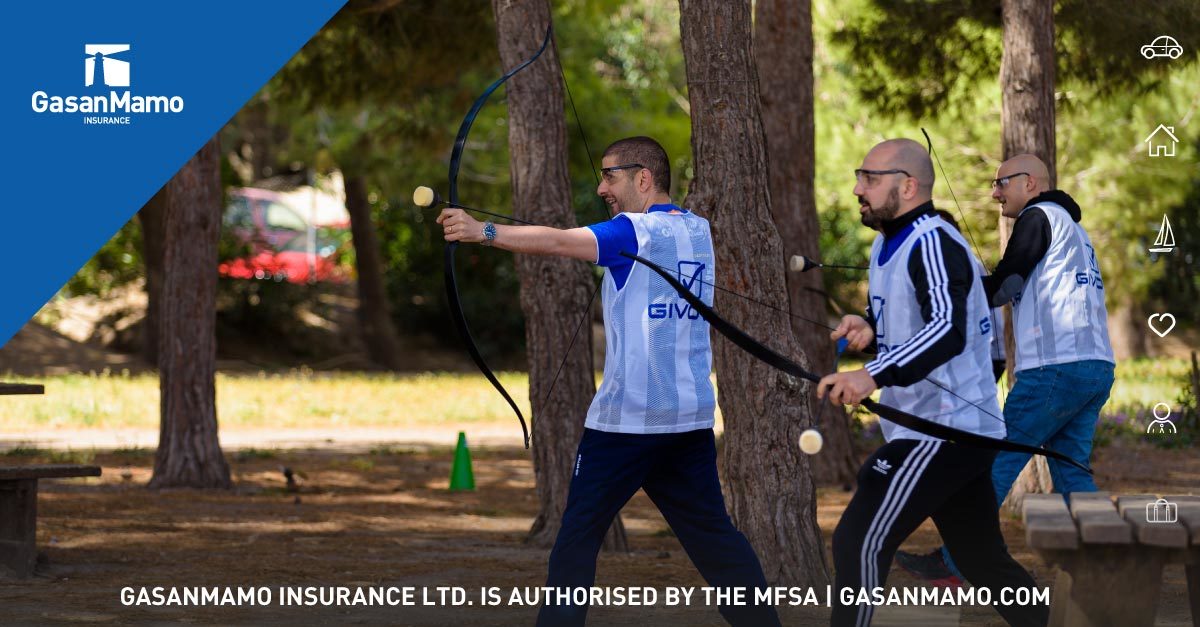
{"points": [[105, 67]]}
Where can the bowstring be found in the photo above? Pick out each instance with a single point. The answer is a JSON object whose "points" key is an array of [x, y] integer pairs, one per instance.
{"points": [[954, 197], [587, 310], [970, 234]]}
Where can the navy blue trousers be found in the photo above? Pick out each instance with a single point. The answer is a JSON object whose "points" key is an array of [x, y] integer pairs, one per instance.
{"points": [[678, 471]]}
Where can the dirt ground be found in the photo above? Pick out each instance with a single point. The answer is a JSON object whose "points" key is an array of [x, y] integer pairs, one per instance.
{"points": [[384, 517]]}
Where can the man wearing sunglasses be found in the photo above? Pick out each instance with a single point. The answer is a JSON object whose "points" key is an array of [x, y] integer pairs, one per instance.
{"points": [[650, 424], [1064, 361], [927, 320]]}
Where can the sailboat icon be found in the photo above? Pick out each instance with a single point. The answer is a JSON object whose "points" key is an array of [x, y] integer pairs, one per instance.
{"points": [[1165, 242]]}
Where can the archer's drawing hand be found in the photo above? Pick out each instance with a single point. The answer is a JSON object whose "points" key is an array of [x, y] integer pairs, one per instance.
{"points": [[856, 330]]}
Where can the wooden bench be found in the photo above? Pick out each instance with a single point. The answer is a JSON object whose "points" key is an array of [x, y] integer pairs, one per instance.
{"points": [[1110, 557], [18, 512], [21, 388]]}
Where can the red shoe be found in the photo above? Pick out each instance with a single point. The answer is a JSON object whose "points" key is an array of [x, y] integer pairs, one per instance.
{"points": [[930, 567]]}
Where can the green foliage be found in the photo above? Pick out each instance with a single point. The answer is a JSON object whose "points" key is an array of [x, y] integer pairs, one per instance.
{"points": [[380, 51], [450, 401], [625, 69], [625, 78], [1178, 285], [268, 312], [1097, 42], [1124, 192], [1187, 416], [1140, 385], [118, 262], [381, 90], [896, 66], [916, 58], [965, 136]]}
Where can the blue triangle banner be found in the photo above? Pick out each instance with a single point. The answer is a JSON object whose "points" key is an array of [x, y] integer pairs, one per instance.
{"points": [[103, 102]]}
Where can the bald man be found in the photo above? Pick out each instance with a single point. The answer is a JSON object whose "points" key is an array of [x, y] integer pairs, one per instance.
{"points": [[1064, 361], [1051, 275], [927, 320]]}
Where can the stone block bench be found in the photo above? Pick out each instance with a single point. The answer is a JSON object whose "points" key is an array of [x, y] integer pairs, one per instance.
{"points": [[1111, 555]]}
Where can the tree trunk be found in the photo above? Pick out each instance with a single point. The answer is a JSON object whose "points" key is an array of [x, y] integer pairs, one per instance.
{"points": [[1127, 331], [783, 49], [259, 136], [189, 453], [374, 311], [1027, 126], [554, 291], [769, 484], [1194, 379], [151, 218], [1027, 79]]}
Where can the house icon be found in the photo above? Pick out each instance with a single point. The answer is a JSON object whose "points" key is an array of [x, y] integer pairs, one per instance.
{"points": [[1163, 145]]}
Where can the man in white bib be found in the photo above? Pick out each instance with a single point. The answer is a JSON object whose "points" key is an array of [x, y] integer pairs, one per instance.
{"points": [[927, 320], [650, 424], [1064, 361]]}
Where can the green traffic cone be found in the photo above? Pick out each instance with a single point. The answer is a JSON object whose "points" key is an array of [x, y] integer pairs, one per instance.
{"points": [[461, 476]]}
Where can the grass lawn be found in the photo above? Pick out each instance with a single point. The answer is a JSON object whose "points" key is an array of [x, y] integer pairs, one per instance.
{"points": [[303, 399]]}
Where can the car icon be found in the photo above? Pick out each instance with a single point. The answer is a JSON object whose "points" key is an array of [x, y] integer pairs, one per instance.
{"points": [[1163, 46]]}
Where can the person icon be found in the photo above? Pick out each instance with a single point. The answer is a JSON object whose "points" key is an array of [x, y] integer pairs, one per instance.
{"points": [[1161, 424]]}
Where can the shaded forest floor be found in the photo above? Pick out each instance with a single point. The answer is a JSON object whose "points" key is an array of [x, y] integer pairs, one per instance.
{"points": [[383, 516], [372, 512], [310, 326]]}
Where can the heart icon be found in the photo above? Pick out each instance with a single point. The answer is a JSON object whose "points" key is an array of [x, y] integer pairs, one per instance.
{"points": [[1162, 318]]}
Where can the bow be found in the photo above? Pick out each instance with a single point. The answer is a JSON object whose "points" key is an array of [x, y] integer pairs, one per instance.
{"points": [[452, 296], [902, 418]]}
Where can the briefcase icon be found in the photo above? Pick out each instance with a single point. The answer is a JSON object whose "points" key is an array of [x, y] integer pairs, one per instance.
{"points": [[1162, 511]]}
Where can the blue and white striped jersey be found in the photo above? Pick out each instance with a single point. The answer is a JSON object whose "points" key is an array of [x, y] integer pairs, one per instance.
{"points": [[657, 359], [1059, 316]]}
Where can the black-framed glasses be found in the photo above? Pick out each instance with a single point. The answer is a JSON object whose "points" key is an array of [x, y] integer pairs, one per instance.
{"points": [[624, 166], [868, 176], [1003, 181]]}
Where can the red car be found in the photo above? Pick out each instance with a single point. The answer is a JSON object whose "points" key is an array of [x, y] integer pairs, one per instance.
{"points": [[283, 246]]}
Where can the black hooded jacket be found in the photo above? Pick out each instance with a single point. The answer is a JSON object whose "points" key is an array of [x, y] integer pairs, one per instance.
{"points": [[1028, 244]]}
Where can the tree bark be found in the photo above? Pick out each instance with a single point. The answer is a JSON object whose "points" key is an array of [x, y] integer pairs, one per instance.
{"points": [[1027, 126], [769, 484], [374, 310], [1027, 81], [1127, 331], [151, 218], [259, 138], [554, 291], [783, 50], [189, 453]]}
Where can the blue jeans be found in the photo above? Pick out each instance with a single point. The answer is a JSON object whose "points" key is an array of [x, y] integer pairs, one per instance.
{"points": [[1057, 407]]}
